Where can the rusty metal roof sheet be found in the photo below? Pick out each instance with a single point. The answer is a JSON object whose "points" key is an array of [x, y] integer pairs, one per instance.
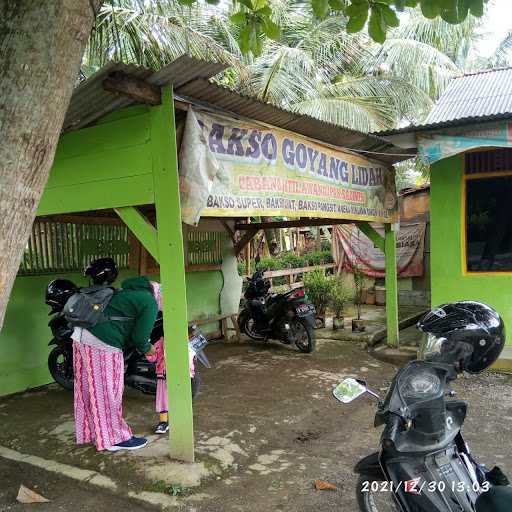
{"points": [[90, 101], [475, 97], [190, 78]]}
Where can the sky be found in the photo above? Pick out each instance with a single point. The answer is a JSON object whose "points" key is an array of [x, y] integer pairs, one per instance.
{"points": [[497, 22]]}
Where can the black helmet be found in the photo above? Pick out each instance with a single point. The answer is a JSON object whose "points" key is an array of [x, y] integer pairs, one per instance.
{"points": [[58, 292], [102, 271], [468, 334]]}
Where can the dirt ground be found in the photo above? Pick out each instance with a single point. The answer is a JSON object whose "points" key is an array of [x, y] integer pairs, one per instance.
{"points": [[266, 427]]}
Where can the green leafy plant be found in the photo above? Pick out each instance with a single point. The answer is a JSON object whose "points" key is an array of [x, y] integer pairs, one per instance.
{"points": [[318, 289], [337, 297]]}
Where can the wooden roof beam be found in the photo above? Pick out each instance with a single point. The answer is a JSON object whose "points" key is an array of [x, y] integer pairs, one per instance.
{"points": [[291, 224], [134, 88]]}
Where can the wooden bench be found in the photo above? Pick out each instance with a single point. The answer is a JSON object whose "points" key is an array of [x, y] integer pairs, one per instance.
{"points": [[224, 332]]}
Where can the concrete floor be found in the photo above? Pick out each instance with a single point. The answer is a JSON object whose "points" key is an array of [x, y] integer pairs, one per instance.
{"points": [[266, 427]]}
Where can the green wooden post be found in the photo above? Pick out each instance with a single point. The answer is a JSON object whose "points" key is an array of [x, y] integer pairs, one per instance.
{"points": [[391, 285], [172, 276]]}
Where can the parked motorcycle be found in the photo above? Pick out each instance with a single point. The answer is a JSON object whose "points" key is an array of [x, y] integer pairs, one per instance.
{"points": [[140, 374], [424, 463], [288, 317]]}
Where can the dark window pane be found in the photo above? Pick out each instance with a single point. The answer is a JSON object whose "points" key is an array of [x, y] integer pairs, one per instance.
{"points": [[488, 224]]}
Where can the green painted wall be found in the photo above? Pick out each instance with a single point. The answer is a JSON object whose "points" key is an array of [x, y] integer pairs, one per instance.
{"points": [[25, 335], [448, 280]]}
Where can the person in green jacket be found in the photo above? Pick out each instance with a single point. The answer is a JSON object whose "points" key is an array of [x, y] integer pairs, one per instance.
{"points": [[99, 363]]}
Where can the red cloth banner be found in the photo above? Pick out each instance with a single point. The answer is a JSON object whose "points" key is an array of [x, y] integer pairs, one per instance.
{"points": [[352, 247]]}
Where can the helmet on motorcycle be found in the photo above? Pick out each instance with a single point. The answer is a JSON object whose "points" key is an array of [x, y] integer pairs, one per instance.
{"points": [[58, 292], [470, 335], [102, 271]]}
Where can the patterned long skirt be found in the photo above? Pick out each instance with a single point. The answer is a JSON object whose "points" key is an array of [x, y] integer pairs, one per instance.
{"points": [[99, 384]]}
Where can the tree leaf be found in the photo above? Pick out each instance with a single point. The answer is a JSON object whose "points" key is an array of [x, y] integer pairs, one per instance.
{"points": [[244, 39], [477, 8], [357, 9], [271, 29], [337, 5], [450, 15], [377, 25], [390, 16], [320, 8], [357, 23], [238, 18], [260, 4], [247, 4], [430, 9]]}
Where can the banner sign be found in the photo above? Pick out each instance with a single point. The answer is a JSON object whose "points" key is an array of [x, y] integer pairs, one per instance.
{"points": [[443, 145], [230, 168], [351, 247]]}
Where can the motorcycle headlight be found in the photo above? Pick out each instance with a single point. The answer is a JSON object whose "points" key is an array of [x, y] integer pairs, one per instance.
{"points": [[423, 384]]}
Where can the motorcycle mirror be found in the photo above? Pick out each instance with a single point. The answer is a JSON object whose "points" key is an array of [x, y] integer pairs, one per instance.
{"points": [[350, 389]]}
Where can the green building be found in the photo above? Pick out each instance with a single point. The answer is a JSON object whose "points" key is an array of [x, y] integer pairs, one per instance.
{"points": [[467, 140], [116, 189]]}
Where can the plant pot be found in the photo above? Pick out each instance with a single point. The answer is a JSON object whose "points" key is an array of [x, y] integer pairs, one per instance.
{"points": [[319, 322], [370, 297], [338, 323], [358, 325], [380, 295]]}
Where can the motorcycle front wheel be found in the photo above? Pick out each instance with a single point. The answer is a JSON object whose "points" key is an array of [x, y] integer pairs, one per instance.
{"points": [[373, 496], [248, 326], [303, 335], [60, 364]]}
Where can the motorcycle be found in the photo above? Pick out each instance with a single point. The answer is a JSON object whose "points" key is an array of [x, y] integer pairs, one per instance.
{"points": [[140, 374], [287, 317], [424, 463]]}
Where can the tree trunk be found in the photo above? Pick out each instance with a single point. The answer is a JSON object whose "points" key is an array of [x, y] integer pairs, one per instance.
{"points": [[41, 46], [271, 238]]}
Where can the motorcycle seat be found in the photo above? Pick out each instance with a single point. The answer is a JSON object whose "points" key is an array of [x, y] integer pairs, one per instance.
{"points": [[496, 499]]}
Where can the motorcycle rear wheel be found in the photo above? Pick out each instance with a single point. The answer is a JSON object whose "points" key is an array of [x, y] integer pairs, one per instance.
{"points": [[376, 500], [305, 339], [61, 369]]}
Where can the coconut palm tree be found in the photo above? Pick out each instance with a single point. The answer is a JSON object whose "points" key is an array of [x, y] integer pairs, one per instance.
{"points": [[314, 67]]}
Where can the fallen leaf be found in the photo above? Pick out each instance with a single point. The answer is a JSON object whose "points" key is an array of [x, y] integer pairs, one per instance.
{"points": [[25, 495], [320, 485]]}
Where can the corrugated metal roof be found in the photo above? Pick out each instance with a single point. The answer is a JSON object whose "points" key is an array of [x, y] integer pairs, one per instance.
{"points": [[482, 96], [190, 78], [90, 101]]}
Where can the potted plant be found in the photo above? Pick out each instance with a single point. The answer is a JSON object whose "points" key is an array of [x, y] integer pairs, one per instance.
{"points": [[318, 287], [358, 323], [337, 299]]}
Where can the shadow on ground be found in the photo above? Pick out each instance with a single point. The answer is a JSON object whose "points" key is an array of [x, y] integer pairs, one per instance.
{"points": [[266, 427]]}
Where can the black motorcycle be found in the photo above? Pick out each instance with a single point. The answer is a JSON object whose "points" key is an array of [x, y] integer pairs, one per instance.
{"points": [[424, 464], [287, 317], [140, 374]]}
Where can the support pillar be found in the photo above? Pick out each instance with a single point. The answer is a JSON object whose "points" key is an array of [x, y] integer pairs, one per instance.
{"points": [[172, 276], [391, 285]]}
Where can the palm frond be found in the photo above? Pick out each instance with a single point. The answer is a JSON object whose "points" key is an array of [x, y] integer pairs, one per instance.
{"points": [[423, 66], [151, 35]]}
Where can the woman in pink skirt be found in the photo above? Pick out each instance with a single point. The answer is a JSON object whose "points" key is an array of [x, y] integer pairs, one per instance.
{"points": [[99, 363]]}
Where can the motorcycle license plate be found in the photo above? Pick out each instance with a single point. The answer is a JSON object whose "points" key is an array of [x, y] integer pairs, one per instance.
{"points": [[197, 343], [305, 310]]}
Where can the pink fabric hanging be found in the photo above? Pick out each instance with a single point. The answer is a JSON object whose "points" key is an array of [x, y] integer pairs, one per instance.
{"points": [[98, 389]]}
